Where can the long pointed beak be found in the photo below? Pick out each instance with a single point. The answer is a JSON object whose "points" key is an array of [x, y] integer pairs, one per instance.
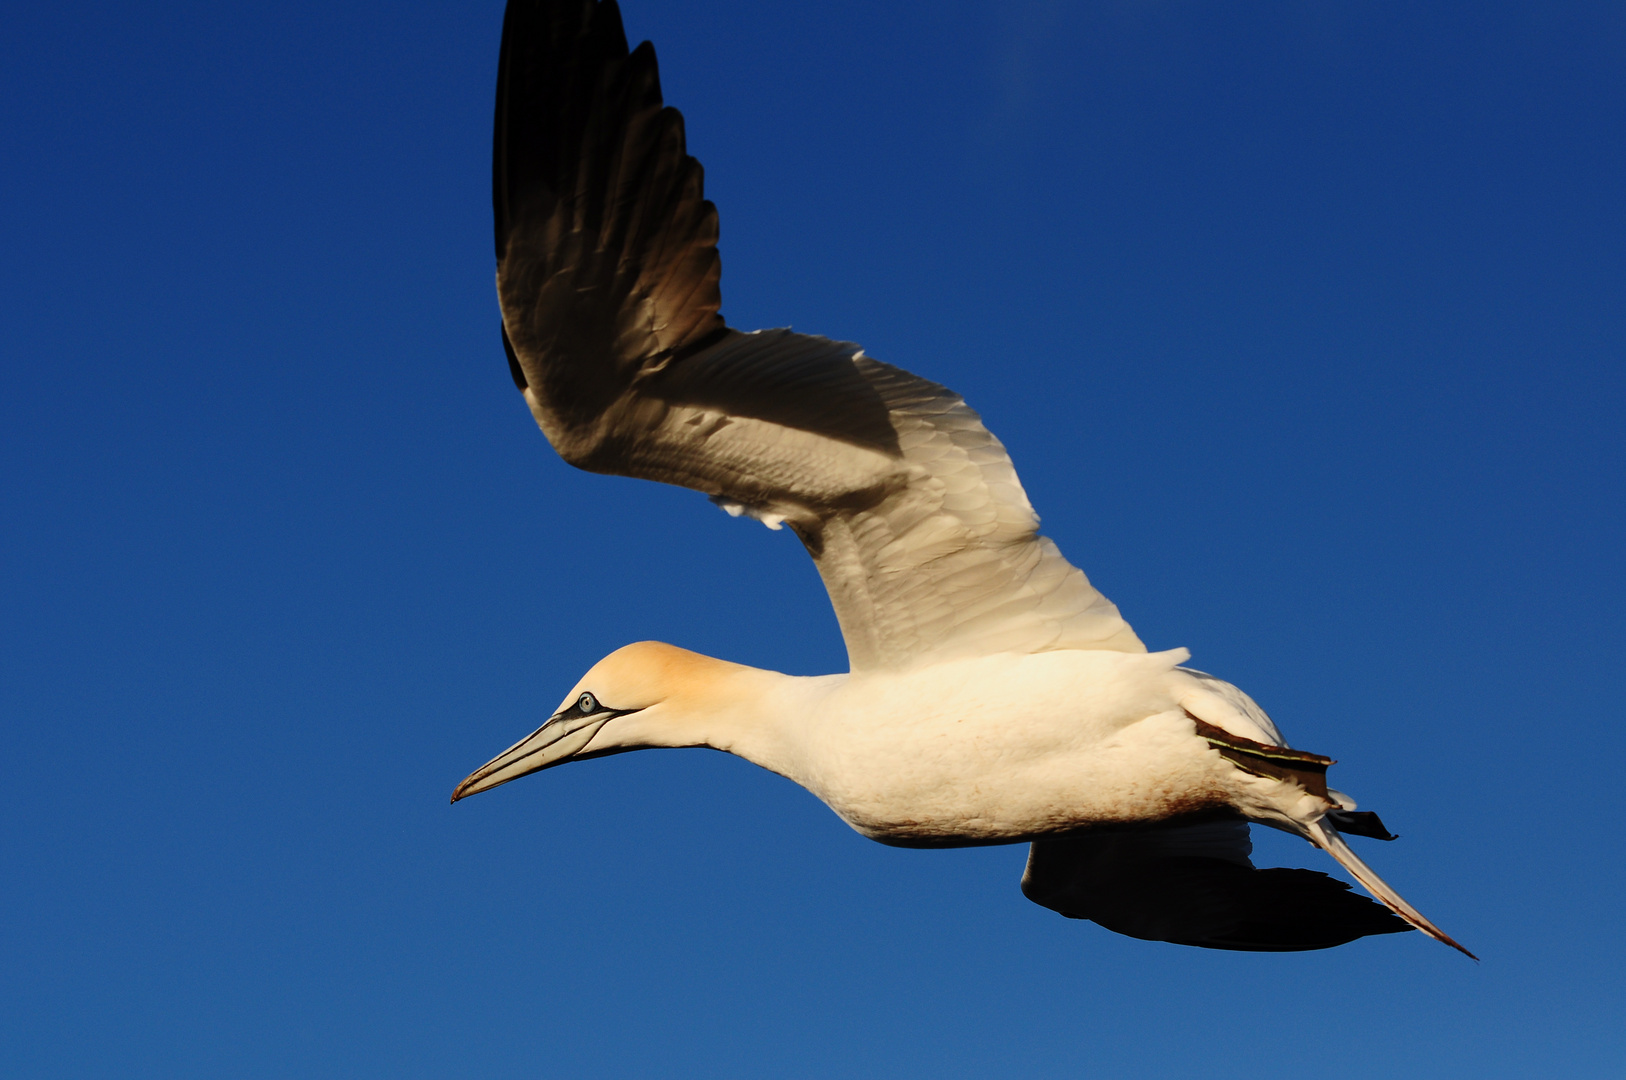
{"points": [[555, 742]]}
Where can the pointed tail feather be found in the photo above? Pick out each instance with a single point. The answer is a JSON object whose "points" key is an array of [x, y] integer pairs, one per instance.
{"points": [[1327, 838]]}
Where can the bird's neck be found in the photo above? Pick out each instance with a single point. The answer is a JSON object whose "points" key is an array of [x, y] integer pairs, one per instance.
{"points": [[763, 719], [753, 713]]}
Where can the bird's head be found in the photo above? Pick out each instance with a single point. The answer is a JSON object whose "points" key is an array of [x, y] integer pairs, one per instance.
{"points": [[644, 695]]}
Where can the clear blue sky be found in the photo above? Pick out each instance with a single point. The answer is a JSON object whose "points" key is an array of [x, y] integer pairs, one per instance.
{"points": [[1304, 322]]}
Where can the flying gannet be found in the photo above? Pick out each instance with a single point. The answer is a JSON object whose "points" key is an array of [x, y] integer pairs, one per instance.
{"points": [[994, 695]]}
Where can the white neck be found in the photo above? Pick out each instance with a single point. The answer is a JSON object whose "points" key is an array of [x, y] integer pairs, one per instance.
{"points": [[753, 713]]}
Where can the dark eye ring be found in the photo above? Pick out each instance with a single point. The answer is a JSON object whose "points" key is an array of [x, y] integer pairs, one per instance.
{"points": [[587, 703]]}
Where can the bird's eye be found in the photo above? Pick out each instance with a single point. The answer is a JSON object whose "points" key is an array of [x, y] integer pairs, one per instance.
{"points": [[587, 703]]}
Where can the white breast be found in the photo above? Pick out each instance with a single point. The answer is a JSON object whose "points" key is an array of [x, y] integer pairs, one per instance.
{"points": [[1004, 747]]}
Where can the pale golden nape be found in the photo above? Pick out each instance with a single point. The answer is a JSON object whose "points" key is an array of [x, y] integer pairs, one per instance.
{"points": [[659, 695], [664, 696], [648, 673]]}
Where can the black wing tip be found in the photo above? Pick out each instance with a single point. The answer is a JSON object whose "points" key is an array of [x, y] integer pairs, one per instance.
{"points": [[553, 52], [605, 243], [1295, 910], [1215, 903], [563, 19], [1286, 909]]}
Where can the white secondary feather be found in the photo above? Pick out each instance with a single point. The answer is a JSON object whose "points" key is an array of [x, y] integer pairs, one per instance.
{"points": [[930, 551]]}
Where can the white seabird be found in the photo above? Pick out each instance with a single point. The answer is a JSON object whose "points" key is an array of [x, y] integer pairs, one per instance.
{"points": [[994, 695]]}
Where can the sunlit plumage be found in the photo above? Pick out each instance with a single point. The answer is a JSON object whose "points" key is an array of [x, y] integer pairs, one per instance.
{"points": [[994, 695]]}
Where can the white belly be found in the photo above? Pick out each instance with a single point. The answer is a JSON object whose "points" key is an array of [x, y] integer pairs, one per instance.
{"points": [[1003, 748]]}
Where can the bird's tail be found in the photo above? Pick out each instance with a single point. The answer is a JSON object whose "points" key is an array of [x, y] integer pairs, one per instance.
{"points": [[1325, 836]]}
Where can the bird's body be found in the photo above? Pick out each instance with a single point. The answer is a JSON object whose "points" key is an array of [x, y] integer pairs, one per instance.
{"points": [[995, 696], [1007, 747], [1000, 748], [988, 750]]}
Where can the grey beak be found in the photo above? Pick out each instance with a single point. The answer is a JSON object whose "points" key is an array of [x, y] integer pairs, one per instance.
{"points": [[553, 743]]}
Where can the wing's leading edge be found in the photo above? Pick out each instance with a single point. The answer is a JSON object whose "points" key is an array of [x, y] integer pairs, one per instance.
{"points": [[608, 276]]}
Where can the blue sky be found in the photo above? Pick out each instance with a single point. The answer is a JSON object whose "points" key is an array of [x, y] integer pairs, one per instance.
{"points": [[1304, 323]]}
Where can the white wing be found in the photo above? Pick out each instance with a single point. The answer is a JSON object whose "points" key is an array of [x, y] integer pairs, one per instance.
{"points": [[608, 276]]}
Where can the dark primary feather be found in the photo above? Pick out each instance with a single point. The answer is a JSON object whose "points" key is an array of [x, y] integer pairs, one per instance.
{"points": [[1192, 883], [606, 247], [608, 276]]}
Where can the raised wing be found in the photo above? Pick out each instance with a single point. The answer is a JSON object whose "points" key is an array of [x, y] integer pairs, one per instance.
{"points": [[608, 277]]}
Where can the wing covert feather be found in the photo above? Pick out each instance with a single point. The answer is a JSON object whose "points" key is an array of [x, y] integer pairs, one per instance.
{"points": [[609, 282]]}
